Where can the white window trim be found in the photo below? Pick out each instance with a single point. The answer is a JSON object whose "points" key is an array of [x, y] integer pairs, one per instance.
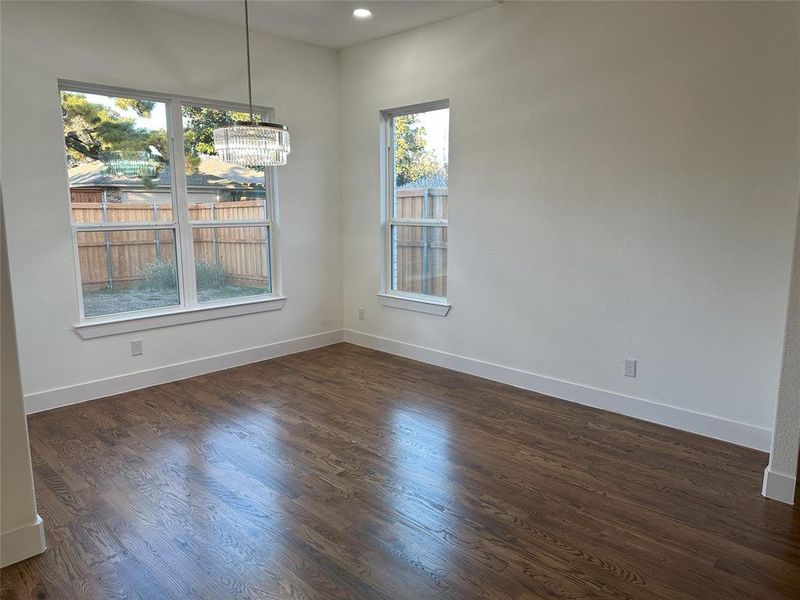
{"points": [[434, 305], [189, 310], [168, 318]]}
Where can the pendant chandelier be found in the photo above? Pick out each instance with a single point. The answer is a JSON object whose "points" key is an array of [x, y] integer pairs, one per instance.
{"points": [[251, 143]]}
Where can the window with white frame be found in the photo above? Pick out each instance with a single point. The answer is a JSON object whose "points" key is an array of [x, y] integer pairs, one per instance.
{"points": [[160, 223], [416, 201]]}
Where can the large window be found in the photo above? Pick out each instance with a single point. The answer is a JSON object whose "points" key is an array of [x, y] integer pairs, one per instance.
{"points": [[157, 229], [416, 201]]}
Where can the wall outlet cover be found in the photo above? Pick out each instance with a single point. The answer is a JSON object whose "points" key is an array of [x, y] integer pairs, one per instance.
{"points": [[630, 368]]}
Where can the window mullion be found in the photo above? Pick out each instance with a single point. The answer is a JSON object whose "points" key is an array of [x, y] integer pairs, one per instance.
{"points": [[181, 195], [220, 224], [273, 220], [420, 222], [116, 226], [389, 204]]}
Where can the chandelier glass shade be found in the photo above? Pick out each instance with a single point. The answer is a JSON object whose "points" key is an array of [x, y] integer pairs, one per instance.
{"points": [[253, 144]]}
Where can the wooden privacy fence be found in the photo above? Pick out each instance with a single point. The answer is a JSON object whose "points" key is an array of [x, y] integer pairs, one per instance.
{"points": [[241, 252], [419, 254], [119, 258]]}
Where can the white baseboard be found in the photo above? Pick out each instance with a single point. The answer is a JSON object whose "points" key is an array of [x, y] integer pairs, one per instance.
{"points": [[101, 388], [679, 418], [778, 486], [22, 543], [646, 410]]}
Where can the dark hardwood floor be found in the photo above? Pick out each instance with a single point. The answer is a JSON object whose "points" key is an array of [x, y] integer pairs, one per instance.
{"points": [[347, 473]]}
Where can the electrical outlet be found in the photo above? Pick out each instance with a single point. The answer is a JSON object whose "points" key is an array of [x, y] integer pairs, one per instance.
{"points": [[136, 348], [630, 368], [361, 311]]}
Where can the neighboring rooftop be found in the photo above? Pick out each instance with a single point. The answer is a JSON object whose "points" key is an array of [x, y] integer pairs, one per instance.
{"points": [[211, 173]]}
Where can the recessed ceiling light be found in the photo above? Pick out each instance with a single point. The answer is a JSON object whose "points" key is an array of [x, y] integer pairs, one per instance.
{"points": [[362, 13]]}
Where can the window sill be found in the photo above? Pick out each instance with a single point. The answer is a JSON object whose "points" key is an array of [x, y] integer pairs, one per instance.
{"points": [[114, 326], [438, 307]]}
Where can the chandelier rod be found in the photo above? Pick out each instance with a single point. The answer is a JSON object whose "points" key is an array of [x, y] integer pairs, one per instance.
{"points": [[249, 77]]}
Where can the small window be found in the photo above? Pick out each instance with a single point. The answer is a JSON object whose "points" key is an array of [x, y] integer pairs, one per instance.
{"points": [[417, 200], [152, 236]]}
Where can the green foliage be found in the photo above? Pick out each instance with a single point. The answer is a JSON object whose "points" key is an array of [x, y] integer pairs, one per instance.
{"points": [[209, 275], [159, 275], [413, 161], [143, 108], [199, 125], [91, 129], [157, 138]]}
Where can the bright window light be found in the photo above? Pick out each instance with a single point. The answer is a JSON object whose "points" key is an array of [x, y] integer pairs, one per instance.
{"points": [[417, 201], [362, 13]]}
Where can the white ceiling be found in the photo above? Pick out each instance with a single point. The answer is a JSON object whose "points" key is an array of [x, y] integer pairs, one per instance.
{"points": [[327, 22]]}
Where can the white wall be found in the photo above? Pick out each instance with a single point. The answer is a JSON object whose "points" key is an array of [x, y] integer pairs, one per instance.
{"points": [[623, 184], [142, 47]]}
